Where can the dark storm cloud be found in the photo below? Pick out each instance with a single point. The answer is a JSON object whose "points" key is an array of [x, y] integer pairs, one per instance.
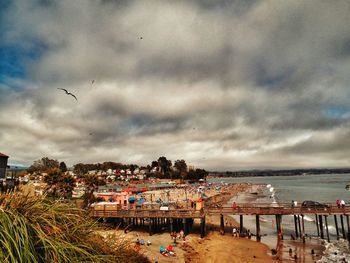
{"points": [[238, 82]]}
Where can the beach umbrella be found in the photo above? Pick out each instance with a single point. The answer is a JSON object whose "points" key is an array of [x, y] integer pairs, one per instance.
{"points": [[141, 201], [139, 194], [158, 200], [132, 199]]}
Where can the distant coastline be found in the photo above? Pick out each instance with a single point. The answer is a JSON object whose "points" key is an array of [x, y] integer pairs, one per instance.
{"points": [[289, 172]]}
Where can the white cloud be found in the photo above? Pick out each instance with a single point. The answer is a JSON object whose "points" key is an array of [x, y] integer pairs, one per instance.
{"points": [[222, 85]]}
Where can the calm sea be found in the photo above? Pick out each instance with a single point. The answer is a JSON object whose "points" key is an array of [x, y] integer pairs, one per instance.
{"points": [[321, 187]]}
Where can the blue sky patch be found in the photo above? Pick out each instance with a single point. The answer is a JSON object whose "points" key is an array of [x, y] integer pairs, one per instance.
{"points": [[336, 112], [14, 60]]}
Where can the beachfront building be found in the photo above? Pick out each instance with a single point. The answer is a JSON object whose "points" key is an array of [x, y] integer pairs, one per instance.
{"points": [[118, 199], [3, 165]]}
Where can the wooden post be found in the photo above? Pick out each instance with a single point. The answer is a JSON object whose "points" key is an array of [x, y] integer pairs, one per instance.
{"points": [[222, 226], [277, 226], [321, 226], [258, 236], [348, 225], [296, 226], [326, 221], [303, 228], [336, 226], [150, 226], [280, 225], [318, 229], [202, 227], [240, 224], [342, 226], [299, 226], [171, 225], [184, 222]]}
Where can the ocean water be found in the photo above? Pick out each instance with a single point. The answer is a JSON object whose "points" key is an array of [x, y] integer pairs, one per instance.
{"points": [[322, 188]]}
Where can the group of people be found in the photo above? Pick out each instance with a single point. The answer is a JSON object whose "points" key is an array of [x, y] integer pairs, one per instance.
{"points": [[167, 251], [236, 233], [340, 203], [142, 242], [180, 236]]}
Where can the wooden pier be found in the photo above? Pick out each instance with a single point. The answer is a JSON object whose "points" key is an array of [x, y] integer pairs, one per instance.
{"points": [[183, 218]]}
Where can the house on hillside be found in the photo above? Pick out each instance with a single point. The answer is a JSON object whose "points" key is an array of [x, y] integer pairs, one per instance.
{"points": [[3, 165]]}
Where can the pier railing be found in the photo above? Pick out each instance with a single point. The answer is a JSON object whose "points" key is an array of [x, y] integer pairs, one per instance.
{"points": [[278, 209], [239, 209], [148, 213]]}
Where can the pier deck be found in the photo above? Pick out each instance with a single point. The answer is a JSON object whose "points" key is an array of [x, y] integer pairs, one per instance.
{"points": [[241, 209]]}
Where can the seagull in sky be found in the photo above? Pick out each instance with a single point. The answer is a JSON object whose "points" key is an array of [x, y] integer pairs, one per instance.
{"points": [[68, 93], [92, 82]]}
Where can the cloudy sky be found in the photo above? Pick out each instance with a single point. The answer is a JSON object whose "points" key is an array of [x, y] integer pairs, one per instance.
{"points": [[222, 84]]}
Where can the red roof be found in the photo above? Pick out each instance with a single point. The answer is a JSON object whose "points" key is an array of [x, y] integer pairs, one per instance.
{"points": [[3, 155]]}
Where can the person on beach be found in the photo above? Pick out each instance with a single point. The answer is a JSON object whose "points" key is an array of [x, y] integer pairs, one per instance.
{"points": [[342, 203], [234, 232], [249, 234], [337, 203], [234, 205]]}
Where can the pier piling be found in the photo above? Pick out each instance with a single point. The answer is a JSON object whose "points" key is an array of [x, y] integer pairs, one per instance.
{"points": [[296, 226], [298, 216], [150, 230], [303, 228], [321, 226], [336, 225], [202, 227], [342, 226], [171, 225], [240, 224], [258, 236], [326, 221], [317, 226], [222, 226]]}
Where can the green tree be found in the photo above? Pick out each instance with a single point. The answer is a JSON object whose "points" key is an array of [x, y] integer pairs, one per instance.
{"points": [[43, 165], [181, 166], [63, 167], [197, 174], [59, 184], [52, 179], [91, 184], [164, 164]]}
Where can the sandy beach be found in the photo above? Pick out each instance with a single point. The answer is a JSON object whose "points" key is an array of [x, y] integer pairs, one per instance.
{"points": [[214, 247]]}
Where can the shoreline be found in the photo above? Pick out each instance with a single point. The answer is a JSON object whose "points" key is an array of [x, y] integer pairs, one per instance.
{"points": [[300, 250]]}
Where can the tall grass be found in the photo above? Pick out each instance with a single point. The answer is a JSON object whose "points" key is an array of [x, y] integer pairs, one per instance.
{"points": [[35, 229]]}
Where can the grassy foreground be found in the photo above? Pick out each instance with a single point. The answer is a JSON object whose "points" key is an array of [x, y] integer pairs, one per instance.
{"points": [[35, 229]]}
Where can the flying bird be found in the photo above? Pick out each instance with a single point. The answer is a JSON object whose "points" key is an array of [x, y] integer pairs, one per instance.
{"points": [[141, 37], [92, 82], [68, 93]]}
